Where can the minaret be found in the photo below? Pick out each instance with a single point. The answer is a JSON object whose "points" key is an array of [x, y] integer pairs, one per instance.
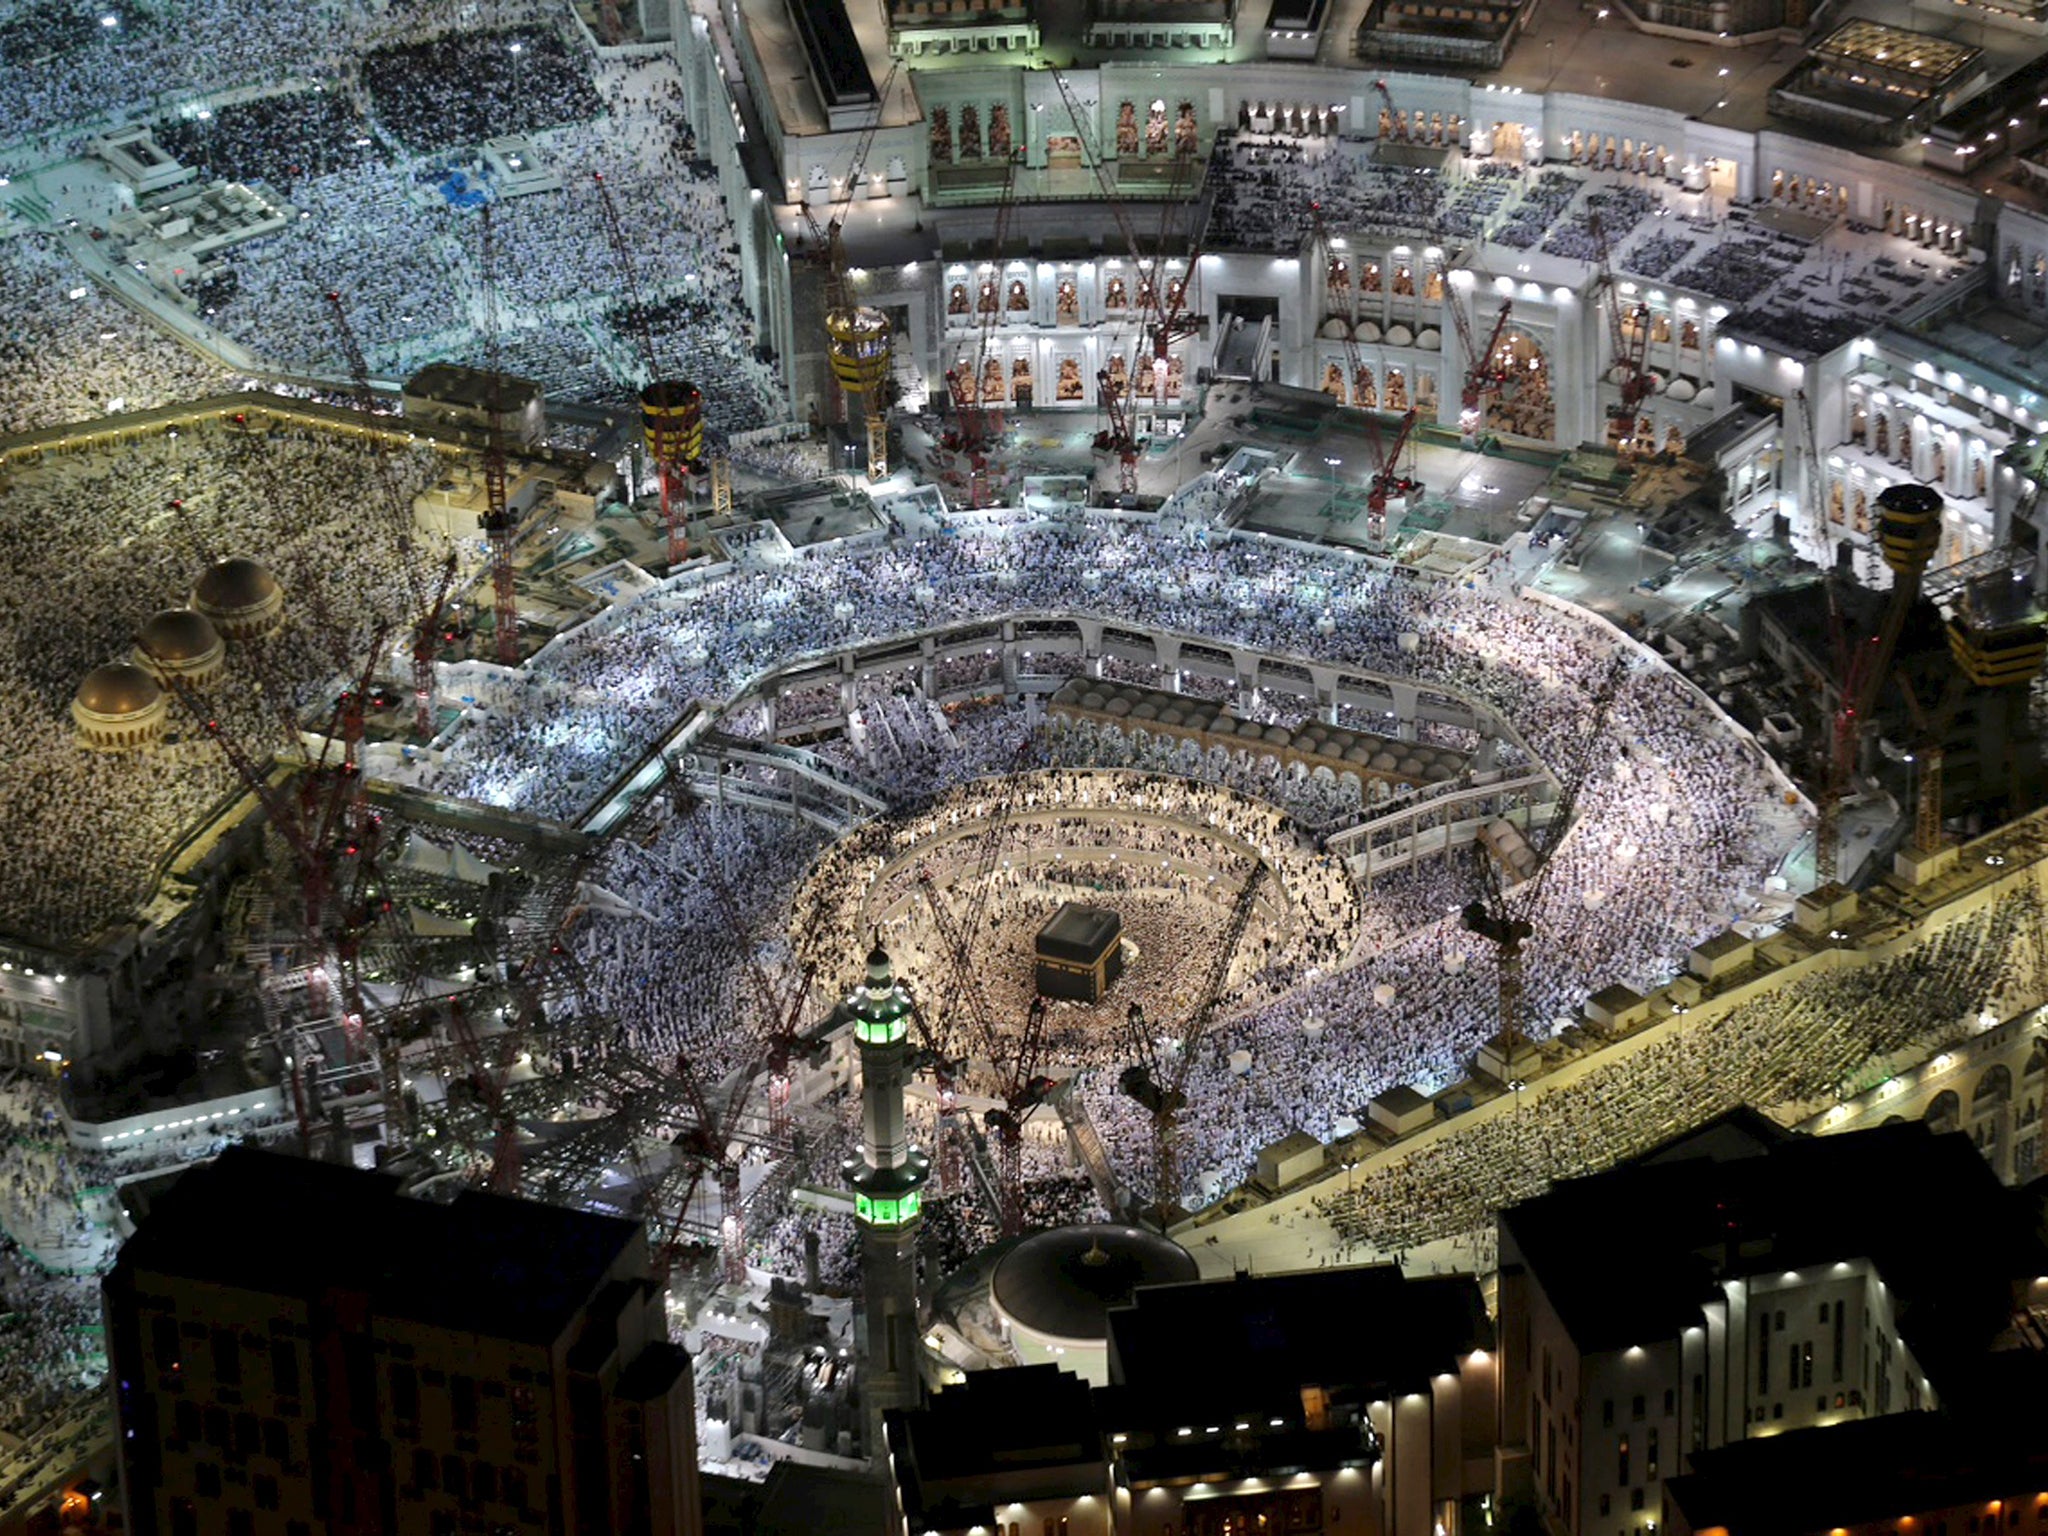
{"points": [[888, 1196]]}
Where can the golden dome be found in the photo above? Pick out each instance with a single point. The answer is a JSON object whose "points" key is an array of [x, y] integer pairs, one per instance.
{"points": [[178, 634], [241, 598], [234, 583], [118, 689], [119, 708]]}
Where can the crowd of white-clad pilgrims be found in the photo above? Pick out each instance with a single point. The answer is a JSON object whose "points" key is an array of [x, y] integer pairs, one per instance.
{"points": [[97, 540], [1348, 991], [364, 121]]}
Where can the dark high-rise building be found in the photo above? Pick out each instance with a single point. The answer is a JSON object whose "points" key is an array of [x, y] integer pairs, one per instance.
{"points": [[296, 1349]]}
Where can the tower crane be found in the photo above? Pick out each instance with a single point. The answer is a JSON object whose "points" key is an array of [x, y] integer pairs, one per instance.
{"points": [[980, 418], [501, 527], [1117, 438], [426, 611], [1388, 480], [858, 335], [1392, 125], [671, 409], [1160, 1088], [1930, 734], [311, 818], [779, 1012], [1354, 360], [1484, 374], [1630, 341], [934, 1055], [1016, 1069], [1909, 533], [1493, 914], [1165, 299]]}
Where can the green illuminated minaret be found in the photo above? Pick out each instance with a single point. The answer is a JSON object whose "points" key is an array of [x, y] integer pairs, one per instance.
{"points": [[888, 1194]]}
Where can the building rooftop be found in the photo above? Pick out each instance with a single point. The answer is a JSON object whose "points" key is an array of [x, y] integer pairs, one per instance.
{"points": [[1731, 1200], [497, 1267], [1863, 1472], [1365, 1328], [1008, 1424]]}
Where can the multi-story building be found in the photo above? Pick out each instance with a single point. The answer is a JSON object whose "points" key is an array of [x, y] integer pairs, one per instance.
{"points": [[1905, 1473], [1346, 1401], [1741, 1283], [296, 1349], [1902, 359]]}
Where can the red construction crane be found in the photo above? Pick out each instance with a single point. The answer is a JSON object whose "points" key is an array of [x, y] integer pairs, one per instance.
{"points": [[661, 398], [489, 1081], [1160, 1088], [427, 639], [1630, 342], [1484, 373], [1395, 127], [977, 408], [1507, 923], [1388, 479], [501, 527], [426, 612], [312, 818], [1163, 298], [780, 1012], [1354, 360], [1909, 533], [1016, 1064], [1117, 438]]}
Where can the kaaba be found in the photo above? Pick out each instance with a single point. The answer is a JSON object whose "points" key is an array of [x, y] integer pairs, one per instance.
{"points": [[1079, 952]]}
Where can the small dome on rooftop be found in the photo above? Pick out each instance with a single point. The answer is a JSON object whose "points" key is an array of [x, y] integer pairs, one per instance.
{"points": [[235, 582], [118, 688], [1061, 1284], [178, 634]]}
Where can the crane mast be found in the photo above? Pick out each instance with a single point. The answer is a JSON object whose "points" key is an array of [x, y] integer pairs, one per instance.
{"points": [[858, 336], [671, 410], [501, 528], [1162, 1092], [426, 611], [1631, 342]]}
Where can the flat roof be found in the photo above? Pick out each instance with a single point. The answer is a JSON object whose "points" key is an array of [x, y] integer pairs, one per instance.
{"points": [[1368, 1328], [1864, 1472], [1739, 1198], [478, 388], [288, 1226], [1896, 52], [992, 1424]]}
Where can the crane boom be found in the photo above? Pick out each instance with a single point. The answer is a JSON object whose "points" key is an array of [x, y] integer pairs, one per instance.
{"points": [[499, 525], [659, 397]]}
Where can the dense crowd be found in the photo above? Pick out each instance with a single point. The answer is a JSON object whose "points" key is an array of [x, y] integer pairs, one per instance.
{"points": [[70, 352], [1676, 822], [51, 1251], [461, 88], [95, 541], [278, 139], [63, 67], [1799, 1042]]}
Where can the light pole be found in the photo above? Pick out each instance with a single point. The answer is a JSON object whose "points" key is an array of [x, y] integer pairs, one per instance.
{"points": [[515, 71], [1333, 463]]}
